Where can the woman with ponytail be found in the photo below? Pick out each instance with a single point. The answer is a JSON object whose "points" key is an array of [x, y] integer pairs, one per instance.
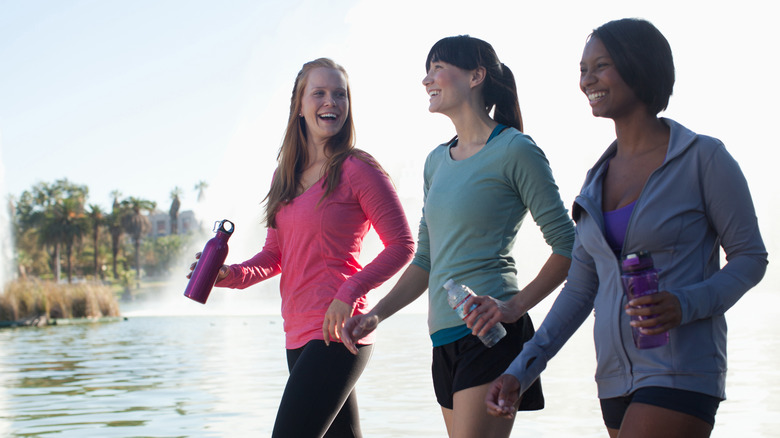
{"points": [[478, 187]]}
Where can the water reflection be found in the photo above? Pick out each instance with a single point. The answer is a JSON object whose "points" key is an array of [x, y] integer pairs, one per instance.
{"points": [[153, 376], [222, 376]]}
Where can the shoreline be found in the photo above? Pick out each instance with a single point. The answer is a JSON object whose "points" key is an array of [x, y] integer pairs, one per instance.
{"points": [[44, 321]]}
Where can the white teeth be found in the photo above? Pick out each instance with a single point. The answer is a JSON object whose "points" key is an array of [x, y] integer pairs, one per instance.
{"points": [[596, 96], [328, 116], [433, 93]]}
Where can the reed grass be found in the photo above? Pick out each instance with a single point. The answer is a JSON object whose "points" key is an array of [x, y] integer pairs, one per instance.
{"points": [[32, 298]]}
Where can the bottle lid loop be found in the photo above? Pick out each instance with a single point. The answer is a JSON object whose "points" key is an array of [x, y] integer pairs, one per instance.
{"points": [[224, 226]]}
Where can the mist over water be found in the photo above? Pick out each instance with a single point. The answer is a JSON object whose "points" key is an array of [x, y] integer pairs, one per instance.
{"points": [[7, 262]]}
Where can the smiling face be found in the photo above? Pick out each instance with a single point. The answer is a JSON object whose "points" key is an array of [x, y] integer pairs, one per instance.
{"points": [[324, 104], [608, 94], [447, 86]]}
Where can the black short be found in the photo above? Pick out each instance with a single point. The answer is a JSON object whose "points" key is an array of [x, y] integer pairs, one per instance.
{"points": [[699, 405], [467, 363]]}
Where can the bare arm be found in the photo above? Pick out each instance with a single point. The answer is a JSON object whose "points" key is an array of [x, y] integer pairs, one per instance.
{"points": [[412, 284], [491, 311]]}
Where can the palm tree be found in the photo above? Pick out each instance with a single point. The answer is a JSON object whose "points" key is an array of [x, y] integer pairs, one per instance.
{"points": [[174, 211], [49, 235], [54, 213], [201, 187], [136, 224], [65, 224], [114, 221], [45, 196], [96, 221], [73, 225]]}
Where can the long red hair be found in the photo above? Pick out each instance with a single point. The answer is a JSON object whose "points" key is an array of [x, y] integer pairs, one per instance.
{"points": [[293, 155]]}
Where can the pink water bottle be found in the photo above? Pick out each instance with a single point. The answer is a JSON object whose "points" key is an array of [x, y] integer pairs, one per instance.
{"points": [[640, 278], [211, 260]]}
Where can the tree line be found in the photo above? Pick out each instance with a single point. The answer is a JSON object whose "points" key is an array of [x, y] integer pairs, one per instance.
{"points": [[53, 224]]}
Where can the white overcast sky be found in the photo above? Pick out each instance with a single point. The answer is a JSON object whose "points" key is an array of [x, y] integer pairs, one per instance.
{"points": [[143, 96]]}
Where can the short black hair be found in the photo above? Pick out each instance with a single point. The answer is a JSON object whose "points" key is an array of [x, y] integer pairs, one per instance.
{"points": [[643, 58]]}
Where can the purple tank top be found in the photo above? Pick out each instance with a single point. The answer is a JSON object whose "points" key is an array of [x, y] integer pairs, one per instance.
{"points": [[615, 224]]}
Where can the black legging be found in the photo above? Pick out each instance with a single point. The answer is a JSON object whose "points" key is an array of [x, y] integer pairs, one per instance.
{"points": [[319, 399]]}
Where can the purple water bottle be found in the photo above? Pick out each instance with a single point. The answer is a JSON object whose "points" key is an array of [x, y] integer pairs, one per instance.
{"points": [[640, 278], [211, 260]]}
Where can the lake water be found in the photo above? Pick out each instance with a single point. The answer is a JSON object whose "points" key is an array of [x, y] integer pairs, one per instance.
{"points": [[202, 375]]}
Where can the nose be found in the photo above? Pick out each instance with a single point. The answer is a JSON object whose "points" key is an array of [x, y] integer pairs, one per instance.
{"points": [[427, 80], [586, 79]]}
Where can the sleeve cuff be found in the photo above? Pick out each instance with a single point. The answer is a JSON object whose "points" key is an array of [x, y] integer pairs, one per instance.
{"points": [[527, 366]]}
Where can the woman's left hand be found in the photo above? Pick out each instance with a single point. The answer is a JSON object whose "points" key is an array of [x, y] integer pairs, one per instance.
{"points": [[664, 308], [489, 312], [337, 313]]}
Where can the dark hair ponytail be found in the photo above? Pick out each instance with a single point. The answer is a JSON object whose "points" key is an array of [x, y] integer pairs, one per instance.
{"points": [[499, 90]]}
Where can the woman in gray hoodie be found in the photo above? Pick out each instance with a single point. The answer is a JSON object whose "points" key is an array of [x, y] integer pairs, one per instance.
{"points": [[679, 195]]}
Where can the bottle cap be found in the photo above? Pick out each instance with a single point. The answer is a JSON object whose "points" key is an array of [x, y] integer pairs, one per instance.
{"points": [[637, 261], [224, 226], [631, 259], [449, 284]]}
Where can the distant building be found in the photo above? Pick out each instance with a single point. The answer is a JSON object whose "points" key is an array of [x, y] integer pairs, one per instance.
{"points": [[161, 223]]}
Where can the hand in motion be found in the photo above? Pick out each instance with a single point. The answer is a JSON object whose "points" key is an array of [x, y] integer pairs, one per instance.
{"points": [[503, 396], [664, 308], [358, 327], [223, 271], [337, 313], [489, 312]]}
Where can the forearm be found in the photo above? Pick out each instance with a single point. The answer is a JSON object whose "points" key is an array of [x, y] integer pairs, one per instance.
{"points": [[552, 274], [260, 267], [412, 284], [386, 264]]}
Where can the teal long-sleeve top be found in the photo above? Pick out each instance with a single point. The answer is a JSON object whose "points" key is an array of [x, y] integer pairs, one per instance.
{"points": [[472, 211]]}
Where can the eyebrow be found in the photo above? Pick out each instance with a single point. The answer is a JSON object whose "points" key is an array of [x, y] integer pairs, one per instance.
{"points": [[325, 87], [599, 58]]}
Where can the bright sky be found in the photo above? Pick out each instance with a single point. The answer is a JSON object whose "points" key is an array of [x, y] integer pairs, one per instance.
{"points": [[143, 96]]}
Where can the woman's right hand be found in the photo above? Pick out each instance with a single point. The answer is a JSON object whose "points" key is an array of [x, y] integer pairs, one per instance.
{"points": [[223, 271], [489, 312], [503, 396], [357, 327]]}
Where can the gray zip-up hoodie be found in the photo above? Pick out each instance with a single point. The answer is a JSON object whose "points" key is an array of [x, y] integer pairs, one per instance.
{"points": [[696, 202]]}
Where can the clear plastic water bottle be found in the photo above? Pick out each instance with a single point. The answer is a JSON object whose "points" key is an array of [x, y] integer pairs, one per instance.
{"points": [[640, 278], [457, 295], [211, 260]]}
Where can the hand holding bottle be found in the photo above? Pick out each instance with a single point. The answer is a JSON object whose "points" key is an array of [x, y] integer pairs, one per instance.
{"points": [[664, 311], [640, 283], [460, 297], [487, 313], [223, 271], [209, 267]]}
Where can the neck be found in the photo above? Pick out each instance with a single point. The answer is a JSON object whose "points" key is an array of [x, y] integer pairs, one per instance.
{"points": [[473, 127], [316, 153], [640, 134]]}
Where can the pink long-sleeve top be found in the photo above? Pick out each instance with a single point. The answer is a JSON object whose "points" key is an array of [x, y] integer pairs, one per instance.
{"points": [[316, 246]]}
